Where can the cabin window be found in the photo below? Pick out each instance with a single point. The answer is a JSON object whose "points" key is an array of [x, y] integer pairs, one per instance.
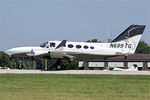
{"points": [[92, 47], [78, 46], [44, 44], [52, 44], [70, 46], [86, 47]]}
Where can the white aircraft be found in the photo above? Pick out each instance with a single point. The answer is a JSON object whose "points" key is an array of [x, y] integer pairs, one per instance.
{"points": [[132, 68], [125, 44]]}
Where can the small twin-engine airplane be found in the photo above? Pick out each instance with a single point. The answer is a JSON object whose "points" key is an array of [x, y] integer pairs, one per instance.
{"points": [[125, 44]]}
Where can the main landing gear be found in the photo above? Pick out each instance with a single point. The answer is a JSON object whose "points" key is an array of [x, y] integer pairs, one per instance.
{"points": [[59, 64]]}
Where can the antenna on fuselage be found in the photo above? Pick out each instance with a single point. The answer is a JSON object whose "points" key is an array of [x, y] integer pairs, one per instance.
{"points": [[110, 36]]}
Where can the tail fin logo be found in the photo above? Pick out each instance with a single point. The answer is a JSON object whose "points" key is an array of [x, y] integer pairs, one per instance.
{"points": [[132, 30]]}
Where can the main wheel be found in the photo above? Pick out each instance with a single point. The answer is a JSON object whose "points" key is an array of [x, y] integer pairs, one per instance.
{"points": [[58, 67]]}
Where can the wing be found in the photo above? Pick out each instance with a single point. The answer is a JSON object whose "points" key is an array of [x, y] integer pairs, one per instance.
{"points": [[85, 56]]}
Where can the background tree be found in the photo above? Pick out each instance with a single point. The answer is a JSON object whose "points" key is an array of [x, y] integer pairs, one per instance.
{"points": [[67, 64], [70, 65], [143, 47], [94, 40], [4, 60]]}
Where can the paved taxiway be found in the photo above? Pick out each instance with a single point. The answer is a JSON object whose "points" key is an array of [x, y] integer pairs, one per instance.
{"points": [[15, 71]]}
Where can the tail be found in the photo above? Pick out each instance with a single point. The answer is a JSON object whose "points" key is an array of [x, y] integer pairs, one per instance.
{"points": [[128, 40]]}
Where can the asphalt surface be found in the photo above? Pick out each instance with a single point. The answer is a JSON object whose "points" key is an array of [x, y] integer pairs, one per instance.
{"points": [[100, 72]]}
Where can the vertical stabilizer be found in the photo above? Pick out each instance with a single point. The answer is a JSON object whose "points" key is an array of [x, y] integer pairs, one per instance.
{"points": [[128, 40]]}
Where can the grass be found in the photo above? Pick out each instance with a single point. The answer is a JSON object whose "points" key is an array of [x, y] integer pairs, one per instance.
{"points": [[73, 87]]}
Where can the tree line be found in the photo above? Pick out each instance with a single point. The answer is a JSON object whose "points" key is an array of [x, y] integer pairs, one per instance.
{"points": [[16, 63]]}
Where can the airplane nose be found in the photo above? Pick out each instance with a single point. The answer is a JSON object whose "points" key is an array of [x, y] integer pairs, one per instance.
{"points": [[9, 52], [20, 51], [12, 51]]}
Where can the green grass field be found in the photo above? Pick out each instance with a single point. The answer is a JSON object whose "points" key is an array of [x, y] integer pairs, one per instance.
{"points": [[73, 87]]}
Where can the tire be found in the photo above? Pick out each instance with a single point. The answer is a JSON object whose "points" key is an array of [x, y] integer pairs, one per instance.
{"points": [[58, 67]]}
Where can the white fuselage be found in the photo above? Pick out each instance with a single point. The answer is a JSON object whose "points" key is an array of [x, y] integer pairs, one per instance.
{"points": [[101, 49]]}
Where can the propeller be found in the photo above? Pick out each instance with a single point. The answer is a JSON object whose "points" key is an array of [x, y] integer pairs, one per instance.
{"points": [[32, 53]]}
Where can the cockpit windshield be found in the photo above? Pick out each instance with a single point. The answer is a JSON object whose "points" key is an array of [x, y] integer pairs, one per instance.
{"points": [[44, 44]]}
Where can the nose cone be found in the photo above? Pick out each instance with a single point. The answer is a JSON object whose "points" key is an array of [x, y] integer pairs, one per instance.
{"points": [[17, 51], [21, 51], [11, 51], [8, 51]]}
